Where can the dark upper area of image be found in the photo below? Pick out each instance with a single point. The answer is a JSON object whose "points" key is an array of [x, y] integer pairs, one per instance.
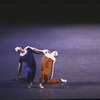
{"points": [[49, 12]]}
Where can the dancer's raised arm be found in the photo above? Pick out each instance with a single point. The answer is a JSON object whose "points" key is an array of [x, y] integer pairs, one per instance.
{"points": [[35, 50]]}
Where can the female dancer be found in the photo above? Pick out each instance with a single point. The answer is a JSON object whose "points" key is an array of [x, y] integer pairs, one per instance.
{"points": [[49, 57]]}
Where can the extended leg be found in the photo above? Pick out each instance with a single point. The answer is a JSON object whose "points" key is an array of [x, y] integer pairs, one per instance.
{"points": [[47, 81]]}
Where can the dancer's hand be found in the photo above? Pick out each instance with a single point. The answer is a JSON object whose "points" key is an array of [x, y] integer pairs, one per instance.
{"points": [[45, 51]]}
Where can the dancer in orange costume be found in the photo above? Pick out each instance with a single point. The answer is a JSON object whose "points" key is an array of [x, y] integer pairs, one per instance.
{"points": [[49, 57]]}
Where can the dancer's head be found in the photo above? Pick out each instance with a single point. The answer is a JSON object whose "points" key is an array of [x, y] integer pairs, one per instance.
{"points": [[19, 49], [55, 53]]}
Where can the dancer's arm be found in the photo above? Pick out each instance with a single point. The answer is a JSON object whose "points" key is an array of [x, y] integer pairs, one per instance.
{"points": [[52, 68], [19, 71], [35, 50]]}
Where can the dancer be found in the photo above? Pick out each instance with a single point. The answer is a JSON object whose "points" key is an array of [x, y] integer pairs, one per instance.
{"points": [[49, 57], [26, 55]]}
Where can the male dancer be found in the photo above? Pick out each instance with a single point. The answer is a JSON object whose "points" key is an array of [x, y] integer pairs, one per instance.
{"points": [[49, 57], [26, 55]]}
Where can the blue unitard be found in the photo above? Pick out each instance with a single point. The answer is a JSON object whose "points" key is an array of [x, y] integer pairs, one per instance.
{"points": [[30, 67]]}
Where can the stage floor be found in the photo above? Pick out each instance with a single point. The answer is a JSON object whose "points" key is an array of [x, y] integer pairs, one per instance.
{"points": [[78, 46]]}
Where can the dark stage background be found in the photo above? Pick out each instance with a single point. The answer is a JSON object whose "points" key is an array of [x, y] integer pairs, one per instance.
{"points": [[71, 28]]}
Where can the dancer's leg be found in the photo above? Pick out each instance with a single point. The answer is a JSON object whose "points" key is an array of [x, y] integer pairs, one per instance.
{"points": [[47, 81], [30, 75], [44, 72]]}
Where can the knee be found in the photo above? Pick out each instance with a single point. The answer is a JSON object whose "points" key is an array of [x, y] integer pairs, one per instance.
{"points": [[42, 74], [28, 70]]}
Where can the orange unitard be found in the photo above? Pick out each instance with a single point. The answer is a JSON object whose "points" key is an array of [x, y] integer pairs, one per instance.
{"points": [[46, 69]]}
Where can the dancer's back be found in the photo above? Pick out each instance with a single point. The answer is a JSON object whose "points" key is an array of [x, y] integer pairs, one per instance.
{"points": [[45, 62]]}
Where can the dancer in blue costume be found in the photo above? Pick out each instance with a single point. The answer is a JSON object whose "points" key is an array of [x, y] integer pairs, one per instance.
{"points": [[26, 55]]}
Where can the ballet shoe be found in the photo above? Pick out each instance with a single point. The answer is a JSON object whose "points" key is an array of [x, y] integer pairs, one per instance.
{"points": [[40, 86], [63, 80]]}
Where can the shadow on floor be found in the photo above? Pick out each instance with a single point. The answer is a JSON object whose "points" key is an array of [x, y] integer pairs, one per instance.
{"points": [[23, 84]]}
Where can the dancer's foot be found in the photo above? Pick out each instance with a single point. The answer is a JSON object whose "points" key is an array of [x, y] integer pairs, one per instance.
{"points": [[18, 78], [30, 85], [63, 80], [40, 86]]}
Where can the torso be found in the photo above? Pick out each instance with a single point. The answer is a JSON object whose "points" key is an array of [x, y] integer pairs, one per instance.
{"points": [[47, 59], [28, 58], [49, 55], [45, 62]]}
